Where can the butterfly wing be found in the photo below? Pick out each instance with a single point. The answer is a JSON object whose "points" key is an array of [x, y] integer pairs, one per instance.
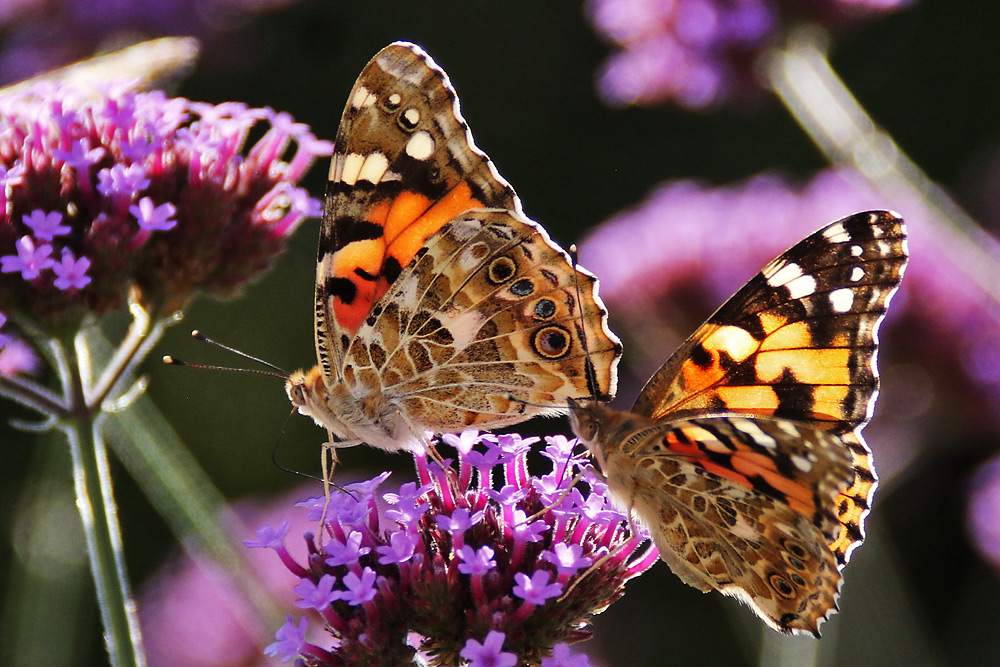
{"points": [[799, 341], [485, 328], [404, 164], [738, 505]]}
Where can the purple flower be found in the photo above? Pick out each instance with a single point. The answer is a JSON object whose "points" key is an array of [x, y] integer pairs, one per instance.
{"points": [[152, 217], [983, 518], [561, 657], [229, 216], [699, 53], [567, 558], [430, 582], [400, 549], [18, 357], [120, 179], [291, 639], [459, 521], [536, 589], [476, 561], [71, 272], [319, 595], [80, 155], [45, 226], [29, 260], [346, 552], [488, 653], [359, 589]]}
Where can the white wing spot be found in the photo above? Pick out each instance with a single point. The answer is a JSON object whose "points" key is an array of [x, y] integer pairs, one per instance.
{"points": [[395, 99], [836, 234], [857, 273], [420, 146], [856, 250], [842, 299], [801, 286], [360, 95], [782, 273], [374, 168], [801, 462], [352, 168], [754, 431], [412, 116]]}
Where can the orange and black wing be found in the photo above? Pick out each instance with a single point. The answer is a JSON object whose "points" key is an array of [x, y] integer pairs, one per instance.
{"points": [[798, 342], [404, 164]]}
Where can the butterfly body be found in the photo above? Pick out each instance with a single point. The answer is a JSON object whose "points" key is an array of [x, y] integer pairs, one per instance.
{"points": [[743, 454], [439, 305]]}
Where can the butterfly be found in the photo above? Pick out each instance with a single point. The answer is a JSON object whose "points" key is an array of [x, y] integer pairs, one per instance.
{"points": [[439, 305], [743, 454]]}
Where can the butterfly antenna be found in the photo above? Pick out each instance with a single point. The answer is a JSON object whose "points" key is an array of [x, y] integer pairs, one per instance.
{"points": [[291, 471], [197, 335], [588, 364]]}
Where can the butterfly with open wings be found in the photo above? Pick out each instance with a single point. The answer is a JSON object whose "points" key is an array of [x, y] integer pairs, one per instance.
{"points": [[743, 454]]}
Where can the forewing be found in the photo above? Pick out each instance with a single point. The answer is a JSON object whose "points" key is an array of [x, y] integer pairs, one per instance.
{"points": [[404, 164]]}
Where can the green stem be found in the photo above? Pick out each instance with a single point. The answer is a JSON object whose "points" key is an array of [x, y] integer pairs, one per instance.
{"points": [[801, 76], [99, 515], [179, 489]]}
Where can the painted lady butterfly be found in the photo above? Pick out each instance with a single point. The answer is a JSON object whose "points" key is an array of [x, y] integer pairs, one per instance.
{"points": [[743, 454], [439, 305]]}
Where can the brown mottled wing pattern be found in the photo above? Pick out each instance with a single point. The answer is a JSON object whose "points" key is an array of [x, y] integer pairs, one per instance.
{"points": [[404, 164], [741, 506], [798, 341], [486, 313]]}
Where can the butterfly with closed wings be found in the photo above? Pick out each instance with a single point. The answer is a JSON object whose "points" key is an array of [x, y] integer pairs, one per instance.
{"points": [[439, 305], [743, 454]]}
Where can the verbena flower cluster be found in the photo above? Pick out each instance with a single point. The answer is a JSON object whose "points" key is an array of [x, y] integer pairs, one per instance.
{"points": [[699, 53], [467, 567], [105, 191]]}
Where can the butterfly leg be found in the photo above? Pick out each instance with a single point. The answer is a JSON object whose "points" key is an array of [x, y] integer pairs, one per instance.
{"points": [[328, 463]]}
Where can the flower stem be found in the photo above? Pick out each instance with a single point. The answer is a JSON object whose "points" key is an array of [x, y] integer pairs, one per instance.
{"points": [[99, 515], [800, 74]]}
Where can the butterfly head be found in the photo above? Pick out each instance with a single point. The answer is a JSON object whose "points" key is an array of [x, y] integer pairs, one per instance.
{"points": [[306, 388]]}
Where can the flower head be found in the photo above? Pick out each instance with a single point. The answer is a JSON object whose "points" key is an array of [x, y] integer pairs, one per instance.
{"points": [[466, 577], [117, 192], [698, 53]]}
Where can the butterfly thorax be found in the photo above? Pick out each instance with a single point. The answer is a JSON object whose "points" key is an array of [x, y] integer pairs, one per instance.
{"points": [[372, 420]]}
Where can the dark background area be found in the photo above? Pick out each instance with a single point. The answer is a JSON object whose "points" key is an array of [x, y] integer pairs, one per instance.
{"points": [[525, 75]]}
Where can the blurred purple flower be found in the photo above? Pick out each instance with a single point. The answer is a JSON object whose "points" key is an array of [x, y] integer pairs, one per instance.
{"points": [[666, 264], [44, 34], [192, 615], [561, 657], [463, 576], [984, 511], [699, 53], [16, 356], [97, 179]]}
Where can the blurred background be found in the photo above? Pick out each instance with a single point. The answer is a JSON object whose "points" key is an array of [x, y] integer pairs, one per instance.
{"points": [[686, 170]]}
